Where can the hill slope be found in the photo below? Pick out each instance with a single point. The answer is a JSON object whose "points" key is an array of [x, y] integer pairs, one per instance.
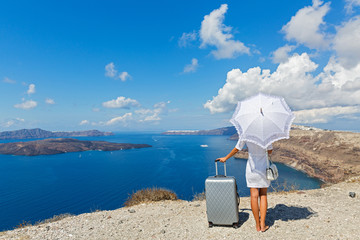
{"points": [[332, 156]]}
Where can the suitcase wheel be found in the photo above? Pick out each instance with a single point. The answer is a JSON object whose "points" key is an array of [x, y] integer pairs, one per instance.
{"points": [[236, 225], [211, 224]]}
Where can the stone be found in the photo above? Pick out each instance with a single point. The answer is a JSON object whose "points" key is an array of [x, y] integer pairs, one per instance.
{"points": [[131, 210], [352, 194]]}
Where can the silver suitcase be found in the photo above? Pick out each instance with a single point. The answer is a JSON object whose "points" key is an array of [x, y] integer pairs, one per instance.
{"points": [[222, 201]]}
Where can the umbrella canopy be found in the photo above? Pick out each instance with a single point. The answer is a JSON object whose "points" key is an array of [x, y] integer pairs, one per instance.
{"points": [[262, 119]]}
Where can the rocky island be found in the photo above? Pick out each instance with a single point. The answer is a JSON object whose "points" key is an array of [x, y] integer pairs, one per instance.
{"points": [[62, 145], [40, 133]]}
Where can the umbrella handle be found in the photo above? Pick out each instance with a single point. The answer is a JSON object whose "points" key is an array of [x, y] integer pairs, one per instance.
{"points": [[216, 168]]}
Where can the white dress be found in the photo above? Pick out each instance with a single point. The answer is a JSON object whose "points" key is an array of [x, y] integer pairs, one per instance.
{"points": [[256, 165]]}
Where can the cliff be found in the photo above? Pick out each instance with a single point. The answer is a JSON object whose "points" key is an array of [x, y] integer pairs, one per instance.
{"points": [[62, 145], [326, 213], [331, 156], [40, 133]]}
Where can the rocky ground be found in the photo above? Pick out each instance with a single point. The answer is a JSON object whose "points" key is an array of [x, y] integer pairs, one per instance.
{"points": [[326, 213], [331, 156]]}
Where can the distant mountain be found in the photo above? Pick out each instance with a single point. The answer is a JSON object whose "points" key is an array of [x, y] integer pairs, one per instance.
{"points": [[228, 131], [62, 145], [40, 133]]}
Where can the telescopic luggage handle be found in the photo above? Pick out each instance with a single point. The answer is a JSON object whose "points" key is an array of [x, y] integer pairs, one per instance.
{"points": [[216, 167]]}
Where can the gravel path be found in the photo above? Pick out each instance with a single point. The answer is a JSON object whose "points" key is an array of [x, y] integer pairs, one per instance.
{"points": [[327, 213]]}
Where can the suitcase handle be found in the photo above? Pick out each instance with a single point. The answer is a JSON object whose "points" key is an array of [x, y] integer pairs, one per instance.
{"points": [[216, 168]]}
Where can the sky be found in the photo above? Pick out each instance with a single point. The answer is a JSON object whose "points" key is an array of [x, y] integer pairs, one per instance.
{"points": [[176, 65]]}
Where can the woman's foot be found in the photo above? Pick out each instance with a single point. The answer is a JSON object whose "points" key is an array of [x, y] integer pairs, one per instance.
{"points": [[264, 229], [258, 228]]}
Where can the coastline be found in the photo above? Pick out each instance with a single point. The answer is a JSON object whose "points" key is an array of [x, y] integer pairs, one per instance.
{"points": [[328, 213], [331, 156], [98, 225]]}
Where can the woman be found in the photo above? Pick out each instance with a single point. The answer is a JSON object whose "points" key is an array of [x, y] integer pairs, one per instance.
{"points": [[255, 179]]}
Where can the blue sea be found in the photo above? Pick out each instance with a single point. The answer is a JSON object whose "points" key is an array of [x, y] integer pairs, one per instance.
{"points": [[37, 188]]}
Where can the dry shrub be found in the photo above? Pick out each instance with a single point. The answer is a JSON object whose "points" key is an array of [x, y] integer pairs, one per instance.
{"points": [[24, 224], [283, 187], [150, 195], [56, 218], [50, 220], [354, 179], [199, 196]]}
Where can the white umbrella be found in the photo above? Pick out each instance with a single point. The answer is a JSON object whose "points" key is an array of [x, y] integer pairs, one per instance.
{"points": [[262, 119]]}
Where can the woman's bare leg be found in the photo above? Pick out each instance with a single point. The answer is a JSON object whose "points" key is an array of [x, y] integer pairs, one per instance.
{"points": [[254, 196], [263, 208]]}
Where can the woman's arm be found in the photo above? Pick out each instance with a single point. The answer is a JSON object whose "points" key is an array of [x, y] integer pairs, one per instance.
{"points": [[223, 159]]}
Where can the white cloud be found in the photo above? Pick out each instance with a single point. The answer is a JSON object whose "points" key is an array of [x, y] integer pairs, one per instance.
{"points": [[316, 95], [142, 115], [334, 88], [153, 115], [12, 122], [84, 122], [191, 67], [26, 105], [161, 105], [350, 4], [282, 53], [305, 26], [346, 42], [124, 76], [187, 38], [110, 70], [351, 85], [31, 89], [290, 79], [339, 77], [8, 80], [214, 33], [49, 101], [143, 111], [323, 115], [121, 102], [120, 119]]}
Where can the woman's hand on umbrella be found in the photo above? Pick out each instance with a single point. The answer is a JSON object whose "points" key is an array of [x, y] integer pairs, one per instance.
{"points": [[222, 159]]}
